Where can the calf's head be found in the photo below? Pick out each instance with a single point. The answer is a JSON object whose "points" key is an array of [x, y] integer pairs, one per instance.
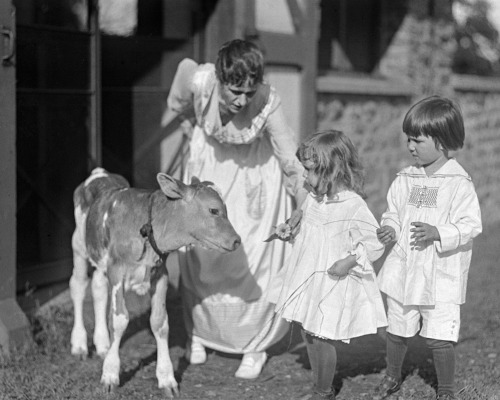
{"points": [[200, 214]]}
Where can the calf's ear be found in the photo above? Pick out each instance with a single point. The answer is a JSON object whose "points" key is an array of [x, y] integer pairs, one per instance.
{"points": [[172, 187], [194, 180]]}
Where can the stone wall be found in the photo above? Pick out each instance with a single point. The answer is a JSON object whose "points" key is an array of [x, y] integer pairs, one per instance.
{"points": [[480, 155], [375, 126]]}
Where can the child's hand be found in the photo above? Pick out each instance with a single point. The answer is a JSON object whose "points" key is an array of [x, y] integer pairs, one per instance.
{"points": [[287, 230], [342, 267], [423, 232], [386, 234]]}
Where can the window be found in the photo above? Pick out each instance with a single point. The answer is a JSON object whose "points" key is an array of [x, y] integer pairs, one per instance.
{"points": [[355, 33]]}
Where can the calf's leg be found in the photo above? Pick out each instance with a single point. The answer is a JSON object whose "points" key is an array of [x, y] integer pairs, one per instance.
{"points": [[100, 298], [119, 319], [77, 286], [160, 328]]}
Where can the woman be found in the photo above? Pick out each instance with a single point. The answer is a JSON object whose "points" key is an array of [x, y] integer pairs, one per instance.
{"points": [[241, 142]]}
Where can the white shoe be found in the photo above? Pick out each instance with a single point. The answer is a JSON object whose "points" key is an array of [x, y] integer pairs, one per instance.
{"points": [[251, 365], [195, 352]]}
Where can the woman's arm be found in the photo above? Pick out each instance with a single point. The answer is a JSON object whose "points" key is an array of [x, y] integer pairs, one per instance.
{"points": [[180, 97], [285, 146]]}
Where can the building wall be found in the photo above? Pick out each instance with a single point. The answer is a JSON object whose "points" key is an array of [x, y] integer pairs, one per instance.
{"points": [[371, 110], [480, 154], [374, 125]]}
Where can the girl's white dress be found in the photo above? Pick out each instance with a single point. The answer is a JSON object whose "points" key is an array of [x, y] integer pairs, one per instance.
{"points": [[252, 161], [331, 307]]}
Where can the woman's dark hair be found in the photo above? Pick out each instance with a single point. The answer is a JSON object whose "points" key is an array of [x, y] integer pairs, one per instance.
{"points": [[239, 61], [439, 118], [335, 161]]}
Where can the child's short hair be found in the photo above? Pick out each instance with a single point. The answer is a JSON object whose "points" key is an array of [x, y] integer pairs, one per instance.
{"points": [[439, 118], [239, 61], [335, 161]]}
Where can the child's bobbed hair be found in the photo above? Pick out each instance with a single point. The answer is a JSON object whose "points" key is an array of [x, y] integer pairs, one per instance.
{"points": [[439, 118], [335, 161], [239, 61]]}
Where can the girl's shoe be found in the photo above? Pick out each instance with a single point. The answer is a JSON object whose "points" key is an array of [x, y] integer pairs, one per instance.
{"points": [[251, 365], [387, 386], [195, 352]]}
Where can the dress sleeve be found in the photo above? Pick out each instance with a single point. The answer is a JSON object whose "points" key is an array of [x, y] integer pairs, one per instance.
{"points": [[180, 97], [285, 146], [365, 245], [464, 219], [391, 215]]}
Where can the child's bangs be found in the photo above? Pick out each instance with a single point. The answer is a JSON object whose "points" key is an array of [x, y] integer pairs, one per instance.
{"points": [[414, 126]]}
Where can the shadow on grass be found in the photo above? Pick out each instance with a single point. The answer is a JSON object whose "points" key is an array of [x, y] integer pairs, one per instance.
{"points": [[177, 338], [363, 356]]}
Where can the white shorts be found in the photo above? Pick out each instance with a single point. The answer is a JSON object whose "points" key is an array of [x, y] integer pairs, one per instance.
{"points": [[440, 321]]}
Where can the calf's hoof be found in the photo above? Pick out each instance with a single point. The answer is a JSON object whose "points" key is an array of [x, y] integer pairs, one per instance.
{"points": [[102, 353], [79, 352], [108, 388], [170, 393], [109, 383], [101, 343], [79, 343], [169, 386]]}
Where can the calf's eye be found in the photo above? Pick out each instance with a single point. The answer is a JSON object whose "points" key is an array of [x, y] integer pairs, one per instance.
{"points": [[214, 211]]}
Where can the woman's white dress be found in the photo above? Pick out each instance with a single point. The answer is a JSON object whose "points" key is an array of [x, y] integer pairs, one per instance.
{"points": [[252, 161], [331, 307]]}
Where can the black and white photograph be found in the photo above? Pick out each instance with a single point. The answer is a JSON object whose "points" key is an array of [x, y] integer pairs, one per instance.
{"points": [[249, 199]]}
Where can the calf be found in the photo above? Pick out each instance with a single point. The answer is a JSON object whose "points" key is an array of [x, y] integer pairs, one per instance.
{"points": [[126, 234]]}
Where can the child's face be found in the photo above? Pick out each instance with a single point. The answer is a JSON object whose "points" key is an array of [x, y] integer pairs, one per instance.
{"points": [[424, 150], [311, 178]]}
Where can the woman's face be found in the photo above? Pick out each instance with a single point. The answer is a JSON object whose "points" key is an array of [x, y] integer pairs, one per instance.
{"points": [[235, 98]]}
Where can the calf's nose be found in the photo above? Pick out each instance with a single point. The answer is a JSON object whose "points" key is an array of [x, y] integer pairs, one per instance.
{"points": [[236, 243]]}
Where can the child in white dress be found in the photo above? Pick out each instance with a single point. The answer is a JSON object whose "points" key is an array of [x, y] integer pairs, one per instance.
{"points": [[329, 285], [432, 214]]}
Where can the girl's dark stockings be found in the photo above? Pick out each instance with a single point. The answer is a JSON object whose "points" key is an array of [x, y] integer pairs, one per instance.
{"points": [[323, 358]]}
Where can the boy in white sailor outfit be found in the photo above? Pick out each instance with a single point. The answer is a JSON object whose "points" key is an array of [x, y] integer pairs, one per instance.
{"points": [[433, 215]]}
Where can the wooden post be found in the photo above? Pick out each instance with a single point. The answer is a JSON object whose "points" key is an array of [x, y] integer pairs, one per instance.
{"points": [[14, 326], [219, 28]]}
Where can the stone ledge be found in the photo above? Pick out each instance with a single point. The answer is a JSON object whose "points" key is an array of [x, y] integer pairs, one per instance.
{"points": [[474, 83], [14, 326], [362, 85]]}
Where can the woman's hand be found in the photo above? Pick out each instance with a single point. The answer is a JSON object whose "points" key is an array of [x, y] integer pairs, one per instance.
{"points": [[187, 128], [341, 268], [386, 234]]}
